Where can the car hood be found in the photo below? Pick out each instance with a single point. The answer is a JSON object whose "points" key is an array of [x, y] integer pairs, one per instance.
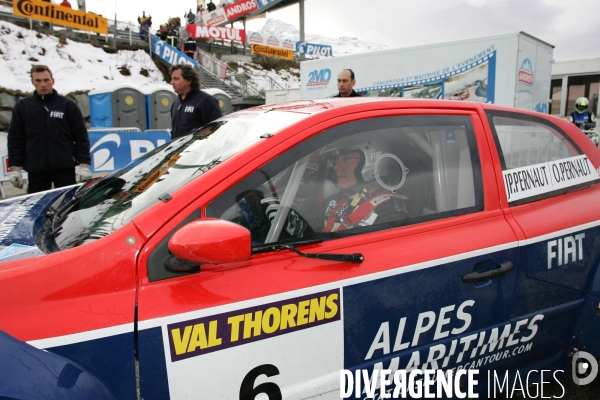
{"points": [[18, 218]]}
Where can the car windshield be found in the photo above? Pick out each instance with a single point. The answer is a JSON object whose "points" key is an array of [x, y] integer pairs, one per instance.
{"points": [[110, 203]]}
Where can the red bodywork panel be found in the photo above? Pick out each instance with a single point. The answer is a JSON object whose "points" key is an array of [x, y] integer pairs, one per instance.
{"points": [[70, 291]]}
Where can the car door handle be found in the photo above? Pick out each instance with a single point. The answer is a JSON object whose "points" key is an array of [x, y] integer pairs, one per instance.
{"points": [[503, 269]]}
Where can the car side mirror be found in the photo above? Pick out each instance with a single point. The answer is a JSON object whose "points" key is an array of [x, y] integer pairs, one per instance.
{"points": [[208, 241]]}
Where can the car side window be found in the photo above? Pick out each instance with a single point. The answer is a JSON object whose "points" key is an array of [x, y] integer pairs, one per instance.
{"points": [[360, 177], [538, 159]]}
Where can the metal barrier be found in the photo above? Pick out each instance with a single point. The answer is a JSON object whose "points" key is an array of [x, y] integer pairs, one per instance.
{"points": [[255, 87]]}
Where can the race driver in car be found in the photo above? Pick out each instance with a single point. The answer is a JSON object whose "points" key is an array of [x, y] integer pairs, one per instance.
{"points": [[362, 201]]}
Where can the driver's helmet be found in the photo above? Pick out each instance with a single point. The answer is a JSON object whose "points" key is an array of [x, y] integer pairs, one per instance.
{"points": [[376, 163], [581, 105]]}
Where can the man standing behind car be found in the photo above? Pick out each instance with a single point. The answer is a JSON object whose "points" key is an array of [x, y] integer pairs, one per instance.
{"points": [[346, 82], [48, 137], [193, 108]]}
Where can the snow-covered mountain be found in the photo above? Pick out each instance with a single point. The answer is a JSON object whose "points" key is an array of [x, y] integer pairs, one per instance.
{"points": [[340, 46]]}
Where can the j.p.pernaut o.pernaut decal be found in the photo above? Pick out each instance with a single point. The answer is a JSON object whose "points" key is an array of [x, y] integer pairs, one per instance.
{"points": [[533, 180], [217, 332]]}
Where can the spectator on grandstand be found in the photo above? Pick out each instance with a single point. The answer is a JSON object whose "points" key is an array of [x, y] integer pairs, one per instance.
{"points": [[191, 17], [199, 19], [145, 24], [189, 47], [143, 18], [173, 31]]}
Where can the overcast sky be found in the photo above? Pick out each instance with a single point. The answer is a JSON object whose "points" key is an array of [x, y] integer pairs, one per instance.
{"points": [[573, 27]]}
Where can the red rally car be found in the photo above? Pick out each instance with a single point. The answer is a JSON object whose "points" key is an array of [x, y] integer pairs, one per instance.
{"points": [[278, 245]]}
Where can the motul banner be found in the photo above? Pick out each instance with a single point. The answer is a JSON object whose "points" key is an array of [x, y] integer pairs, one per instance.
{"points": [[216, 32], [240, 8]]}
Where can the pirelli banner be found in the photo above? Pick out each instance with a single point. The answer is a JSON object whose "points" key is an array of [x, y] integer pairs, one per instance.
{"points": [[272, 51], [48, 12]]}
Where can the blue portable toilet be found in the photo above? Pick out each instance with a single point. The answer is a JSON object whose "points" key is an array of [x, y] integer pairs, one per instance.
{"points": [[159, 98], [117, 105]]}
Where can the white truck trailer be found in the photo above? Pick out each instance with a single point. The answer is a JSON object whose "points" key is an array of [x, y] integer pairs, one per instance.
{"points": [[511, 70]]}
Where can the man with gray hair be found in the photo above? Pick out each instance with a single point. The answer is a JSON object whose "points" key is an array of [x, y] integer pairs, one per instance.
{"points": [[193, 108]]}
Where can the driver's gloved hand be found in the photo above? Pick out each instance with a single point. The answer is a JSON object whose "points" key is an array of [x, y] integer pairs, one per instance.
{"points": [[272, 204]]}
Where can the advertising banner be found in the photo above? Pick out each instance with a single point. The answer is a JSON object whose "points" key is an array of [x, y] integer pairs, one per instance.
{"points": [[289, 44], [239, 8], [469, 76], [216, 32], [272, 40], [169, 53], [313, 49], [212, 63], [270, 51], [112, 150], [48, 12], [262, 3], [255, 37], [533, 72], [214, 17]]}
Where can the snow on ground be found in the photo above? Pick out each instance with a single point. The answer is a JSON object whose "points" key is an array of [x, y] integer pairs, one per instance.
{"points": [[75, 66], [81, 67], [264, 79]]}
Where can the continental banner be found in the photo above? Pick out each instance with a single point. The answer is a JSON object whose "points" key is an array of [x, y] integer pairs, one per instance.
{"points": [[48, 12], [272, 51]]}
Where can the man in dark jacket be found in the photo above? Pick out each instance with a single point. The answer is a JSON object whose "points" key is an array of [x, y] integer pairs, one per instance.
{"points": [[193, 108], [346, 82], [48, 137], [191, 17]]}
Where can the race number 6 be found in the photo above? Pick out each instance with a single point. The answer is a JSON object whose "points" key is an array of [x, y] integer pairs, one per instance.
{"points": [[249, 392]]}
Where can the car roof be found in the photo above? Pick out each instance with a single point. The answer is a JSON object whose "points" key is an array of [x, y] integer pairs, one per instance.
{"points": [[318, 106]]}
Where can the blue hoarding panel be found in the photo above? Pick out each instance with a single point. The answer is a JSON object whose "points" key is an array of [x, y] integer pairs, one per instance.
{"points": [[170, 54], [313, 49], [112, 150]]}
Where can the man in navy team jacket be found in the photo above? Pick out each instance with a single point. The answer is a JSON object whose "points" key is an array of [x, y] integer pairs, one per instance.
{"points": [[193, 108]]}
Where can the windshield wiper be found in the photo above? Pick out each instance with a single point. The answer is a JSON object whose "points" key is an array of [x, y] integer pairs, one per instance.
{"points": [[58, 215], [353, 258]]}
